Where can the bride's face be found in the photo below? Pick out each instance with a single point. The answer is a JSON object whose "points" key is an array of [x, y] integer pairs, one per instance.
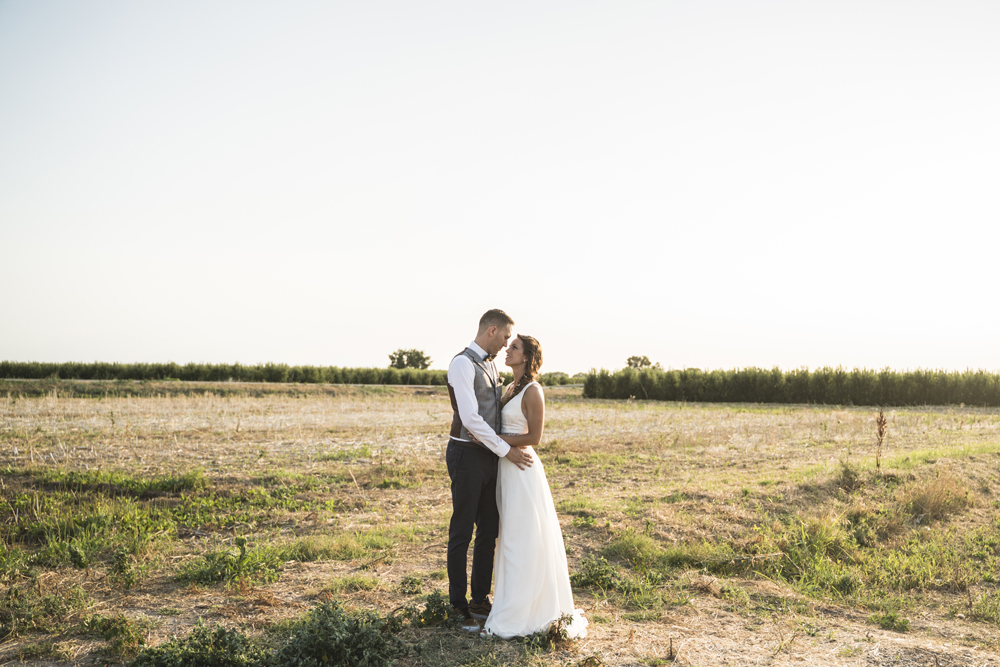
{"points": [[515, 353]]}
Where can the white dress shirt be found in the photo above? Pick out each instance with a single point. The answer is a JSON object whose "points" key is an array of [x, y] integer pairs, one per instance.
{"points": [[461, 375]]}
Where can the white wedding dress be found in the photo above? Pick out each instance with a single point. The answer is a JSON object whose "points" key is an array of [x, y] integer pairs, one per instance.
{"points": [[531, 577]]}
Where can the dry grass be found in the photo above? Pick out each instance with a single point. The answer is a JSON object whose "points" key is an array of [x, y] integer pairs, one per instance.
{"points": [[370, 461], [937, 499]]}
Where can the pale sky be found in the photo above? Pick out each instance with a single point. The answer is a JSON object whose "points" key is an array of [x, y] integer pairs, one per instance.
{"points": [[709, 184]]}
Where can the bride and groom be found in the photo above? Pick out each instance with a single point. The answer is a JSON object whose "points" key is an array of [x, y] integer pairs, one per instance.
{"points": [[499, 487]]}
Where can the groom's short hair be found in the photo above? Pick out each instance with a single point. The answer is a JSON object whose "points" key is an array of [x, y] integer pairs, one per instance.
{"points": [[494, 318]]}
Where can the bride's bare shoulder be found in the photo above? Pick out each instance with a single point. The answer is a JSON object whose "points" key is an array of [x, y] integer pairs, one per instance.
{"points": [[534, 389]]}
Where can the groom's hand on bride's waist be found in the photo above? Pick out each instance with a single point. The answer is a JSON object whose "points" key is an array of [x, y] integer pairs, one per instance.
{"points": [[519, 457]]}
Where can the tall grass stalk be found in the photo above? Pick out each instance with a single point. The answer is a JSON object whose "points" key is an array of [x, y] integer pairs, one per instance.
{"points": [[881, 425]]}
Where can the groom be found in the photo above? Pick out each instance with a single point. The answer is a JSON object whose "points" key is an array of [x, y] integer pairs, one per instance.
{"points": [[475, 388]]}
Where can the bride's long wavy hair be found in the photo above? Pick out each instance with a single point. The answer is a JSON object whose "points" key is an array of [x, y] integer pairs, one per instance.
{"points": [[532, 362]]}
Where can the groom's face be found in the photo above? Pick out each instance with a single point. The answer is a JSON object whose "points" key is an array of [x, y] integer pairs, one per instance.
{"points": [[498, 340]]}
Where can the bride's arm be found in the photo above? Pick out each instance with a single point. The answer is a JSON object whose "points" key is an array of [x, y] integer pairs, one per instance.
{"points": [[533, 407]]}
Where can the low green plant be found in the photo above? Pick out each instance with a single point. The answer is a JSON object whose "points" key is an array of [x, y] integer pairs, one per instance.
{"points": [[77, 557], [411, 585], [204, 647], [641, 591], [58, 651], [582, 506], [554, 637], [125, 571], [344, 546], [890, 620], [436, 610], [349, 454], [633, 547], [596, 572], [327, 635], [247, 566], [396, 482], [353, 582], [24, 609], [736, 595], [871, 525], [935, 560], [13, 562], [311, 548], [811, 544], [986, 607], [331, 636], [125, 636], [79, 528]]}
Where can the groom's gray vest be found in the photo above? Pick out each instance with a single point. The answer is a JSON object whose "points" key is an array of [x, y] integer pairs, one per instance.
{"points": [[488, 387]]}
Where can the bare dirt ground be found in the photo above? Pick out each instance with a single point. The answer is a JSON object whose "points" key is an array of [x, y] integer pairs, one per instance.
{"points": [[681, 473]]}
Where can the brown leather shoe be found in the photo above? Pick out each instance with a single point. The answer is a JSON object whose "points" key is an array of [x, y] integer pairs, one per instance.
{"points": [[469, 624], [481, 610]]}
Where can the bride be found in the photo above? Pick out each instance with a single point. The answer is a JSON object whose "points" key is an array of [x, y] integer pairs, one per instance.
{"points": [[531, 587]]}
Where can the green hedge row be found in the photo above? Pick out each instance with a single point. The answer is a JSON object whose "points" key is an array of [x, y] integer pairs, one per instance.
{"points": [[33, 370], [832, 386]]}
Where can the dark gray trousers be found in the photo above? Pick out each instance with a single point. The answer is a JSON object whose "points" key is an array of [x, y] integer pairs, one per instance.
{"points": [[473, 473]]}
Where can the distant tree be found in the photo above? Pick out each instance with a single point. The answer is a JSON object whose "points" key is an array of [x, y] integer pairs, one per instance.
{"points": [[554, 378], [639, 363], [409, 359]]}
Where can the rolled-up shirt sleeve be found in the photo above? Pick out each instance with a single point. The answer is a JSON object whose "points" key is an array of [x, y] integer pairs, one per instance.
{"points": [[461, 375]]}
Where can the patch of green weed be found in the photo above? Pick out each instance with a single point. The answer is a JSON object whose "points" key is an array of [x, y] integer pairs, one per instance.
{"points": [[596, 572], [411, 585], [125, 636], [58, 651], [251, 566], [436, 610], [204, 647], [890, 620], [582, 506], [169, 611], [23, 608], [352, 583], [330, 636], [348, 454], [633, 547], [126, 570], [118, 483]]}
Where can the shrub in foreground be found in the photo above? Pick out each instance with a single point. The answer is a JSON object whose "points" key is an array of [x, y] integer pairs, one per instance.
{"points": [[327, 635], [204, 647], [331, 636]]}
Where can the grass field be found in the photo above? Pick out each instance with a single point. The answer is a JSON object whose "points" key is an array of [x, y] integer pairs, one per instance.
{"points": [[697, 534]]}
